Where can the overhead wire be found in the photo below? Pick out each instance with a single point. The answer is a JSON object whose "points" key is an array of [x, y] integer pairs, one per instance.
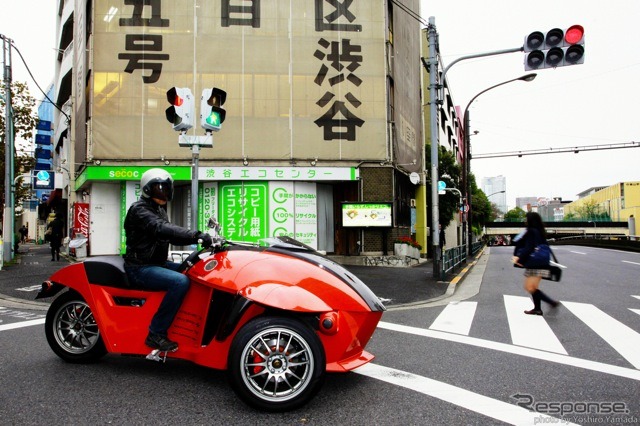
{"points": [[36, 83], [410, 12]]}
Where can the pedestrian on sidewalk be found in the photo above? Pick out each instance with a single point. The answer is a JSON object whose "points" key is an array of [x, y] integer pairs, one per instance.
{"points": [[54, 232], [526, 243], [24, 233]]}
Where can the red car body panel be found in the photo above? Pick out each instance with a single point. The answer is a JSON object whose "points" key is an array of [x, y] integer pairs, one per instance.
{"points": [[256, 280]]}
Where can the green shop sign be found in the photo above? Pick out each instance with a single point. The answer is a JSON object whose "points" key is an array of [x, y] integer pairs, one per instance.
{"points": [[127, 173]]}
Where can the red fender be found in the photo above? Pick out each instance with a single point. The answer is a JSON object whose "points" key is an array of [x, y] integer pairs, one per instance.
{"points": [[287, 297]]}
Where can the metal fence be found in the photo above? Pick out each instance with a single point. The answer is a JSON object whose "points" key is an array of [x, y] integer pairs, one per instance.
{"points": [[456, 257], [452, 258]]}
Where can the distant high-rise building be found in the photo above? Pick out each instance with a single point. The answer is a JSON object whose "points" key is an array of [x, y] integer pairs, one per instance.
{"points": [[527, 203], [496, 190]]}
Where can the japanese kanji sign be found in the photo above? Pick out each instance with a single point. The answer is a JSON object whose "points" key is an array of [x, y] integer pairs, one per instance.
{"points": [[304, 79]]}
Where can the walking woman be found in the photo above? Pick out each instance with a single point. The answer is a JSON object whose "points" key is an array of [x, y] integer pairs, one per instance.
{"points": [[526, 243]]}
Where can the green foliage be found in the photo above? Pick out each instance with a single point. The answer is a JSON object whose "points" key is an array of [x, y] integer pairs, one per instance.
{"points": [[449, 203], [591, 210], [515, 215], [24, 124]]}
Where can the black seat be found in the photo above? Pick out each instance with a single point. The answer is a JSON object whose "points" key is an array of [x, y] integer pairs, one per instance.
{"points": [[107, 270]]}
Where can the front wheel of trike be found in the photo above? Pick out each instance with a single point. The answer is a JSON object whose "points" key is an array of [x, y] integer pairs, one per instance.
{"points": [[276, 364]]}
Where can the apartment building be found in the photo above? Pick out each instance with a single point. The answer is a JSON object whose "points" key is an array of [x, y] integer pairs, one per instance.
{"points": [[323, 116]]}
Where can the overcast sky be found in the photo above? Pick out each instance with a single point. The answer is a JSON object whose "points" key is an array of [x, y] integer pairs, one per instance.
{"points": [[594, 103], [589, 104]]}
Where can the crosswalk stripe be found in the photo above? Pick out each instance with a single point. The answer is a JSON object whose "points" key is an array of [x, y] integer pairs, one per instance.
{"points": [[456, 317], [637, 311], [621, 337], [531, 331], [625, 372], [496, 409], [15, 325]]}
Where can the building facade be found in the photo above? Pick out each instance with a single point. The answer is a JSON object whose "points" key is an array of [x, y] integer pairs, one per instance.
{"points": [[619, 202], [495, 187], [322, 112]]}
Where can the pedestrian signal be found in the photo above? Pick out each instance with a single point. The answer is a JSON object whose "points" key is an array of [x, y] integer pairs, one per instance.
{"points": [[212, 113]]}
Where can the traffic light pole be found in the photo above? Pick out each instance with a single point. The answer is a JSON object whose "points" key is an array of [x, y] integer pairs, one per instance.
{"points": [[436, 99], [8, 219], [195, 142], [195, 157]]}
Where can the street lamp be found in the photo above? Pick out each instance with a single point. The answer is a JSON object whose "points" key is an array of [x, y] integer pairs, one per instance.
{"points": [[467, 152], [499, 192]]}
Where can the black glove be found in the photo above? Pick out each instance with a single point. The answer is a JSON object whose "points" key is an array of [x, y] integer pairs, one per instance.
{"points": [[206, 239]]}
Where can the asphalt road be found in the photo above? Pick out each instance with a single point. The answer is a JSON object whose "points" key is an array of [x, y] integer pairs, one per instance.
{"points": [[421, 375]]}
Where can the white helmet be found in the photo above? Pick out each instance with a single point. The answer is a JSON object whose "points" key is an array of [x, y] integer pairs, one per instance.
{"points": [[157, 183]]}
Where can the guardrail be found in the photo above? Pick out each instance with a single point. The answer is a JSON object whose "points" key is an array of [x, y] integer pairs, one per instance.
{"points": [[452, 258], [612, 241]]}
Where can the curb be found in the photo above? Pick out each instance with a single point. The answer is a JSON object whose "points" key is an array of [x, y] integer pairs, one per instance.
{"points": [[451, 289], [14, 302]]}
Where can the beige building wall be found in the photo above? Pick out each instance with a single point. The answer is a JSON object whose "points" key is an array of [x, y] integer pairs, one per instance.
{"points": [[620, 201], [299, 85]]}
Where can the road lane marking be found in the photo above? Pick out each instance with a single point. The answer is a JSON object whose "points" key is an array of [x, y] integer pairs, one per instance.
{"points": [[628, 373], [456, 317], [531, 331], [637, 311], [633, 263], [30, 288], [496, 409], [21, 324], [577, 252], [621, 337]]}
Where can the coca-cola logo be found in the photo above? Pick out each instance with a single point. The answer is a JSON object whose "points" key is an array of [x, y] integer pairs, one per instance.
{"points": [[81, 219]]}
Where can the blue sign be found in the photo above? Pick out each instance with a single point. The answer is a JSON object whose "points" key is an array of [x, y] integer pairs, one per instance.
{"points": [[44, 179], [441, 185], [43, 125], [43, 139], [43, 154]]}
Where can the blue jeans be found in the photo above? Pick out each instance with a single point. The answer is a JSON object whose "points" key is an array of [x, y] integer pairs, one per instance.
{"points": [[166, 278]]}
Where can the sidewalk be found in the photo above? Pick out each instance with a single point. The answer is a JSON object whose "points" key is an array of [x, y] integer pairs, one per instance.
{"points": [[27, 271], [393, 285]]}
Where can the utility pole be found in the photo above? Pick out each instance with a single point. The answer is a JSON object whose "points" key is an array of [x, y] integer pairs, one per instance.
{"points": [[434, 102], [7, 223], [435, 143]]}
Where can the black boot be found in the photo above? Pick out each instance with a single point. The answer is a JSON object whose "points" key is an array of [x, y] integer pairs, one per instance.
{"points": [[547, 299], [536, 304], [160, 342]]}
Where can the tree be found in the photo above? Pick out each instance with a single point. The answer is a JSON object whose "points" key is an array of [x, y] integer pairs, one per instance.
{"points": [[591, 210], [481, 209], [515, 215], [449, 170], [24, 123]]}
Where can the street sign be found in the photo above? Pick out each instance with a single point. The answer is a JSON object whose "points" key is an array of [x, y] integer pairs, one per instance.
{"points": [[44, 179], [441, 185]]}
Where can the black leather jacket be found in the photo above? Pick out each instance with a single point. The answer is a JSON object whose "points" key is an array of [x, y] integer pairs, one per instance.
{"points": [[149, 234]]}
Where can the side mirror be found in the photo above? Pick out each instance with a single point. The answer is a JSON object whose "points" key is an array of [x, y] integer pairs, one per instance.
{"points": [[214, 225]]}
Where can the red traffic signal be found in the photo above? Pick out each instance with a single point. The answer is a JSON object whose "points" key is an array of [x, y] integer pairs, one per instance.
{"points": [[181, 113], [555, 48]]}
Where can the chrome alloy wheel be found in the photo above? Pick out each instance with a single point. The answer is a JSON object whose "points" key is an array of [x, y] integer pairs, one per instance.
{"points": [[75, 329], [277, 364]]}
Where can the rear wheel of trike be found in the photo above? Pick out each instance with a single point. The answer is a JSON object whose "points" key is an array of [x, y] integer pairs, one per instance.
{"points": [[276, 364], [72, 331]]}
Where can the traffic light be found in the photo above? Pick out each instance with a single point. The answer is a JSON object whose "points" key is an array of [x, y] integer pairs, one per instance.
{"points": [[181, 113], [555, 48], [212, 114]]}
